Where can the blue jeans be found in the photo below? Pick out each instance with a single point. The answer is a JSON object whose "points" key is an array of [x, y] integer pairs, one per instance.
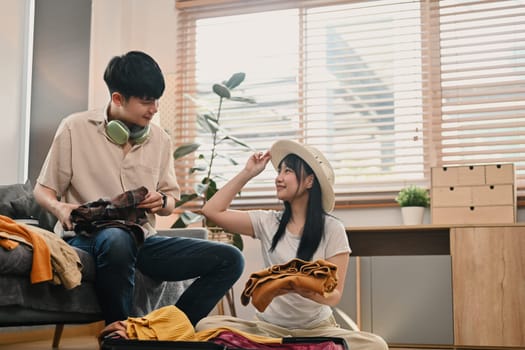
{"points": [[215, 265]]}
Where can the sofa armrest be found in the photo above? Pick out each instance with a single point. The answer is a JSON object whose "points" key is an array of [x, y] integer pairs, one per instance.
{"points": [[191, 232]]}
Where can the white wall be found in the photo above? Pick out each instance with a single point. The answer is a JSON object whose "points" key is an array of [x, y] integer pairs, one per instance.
{"points": [[16, 20], [119, 26]]}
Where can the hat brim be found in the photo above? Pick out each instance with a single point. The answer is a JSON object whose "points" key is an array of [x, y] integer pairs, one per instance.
{"points": [[315, 159]]}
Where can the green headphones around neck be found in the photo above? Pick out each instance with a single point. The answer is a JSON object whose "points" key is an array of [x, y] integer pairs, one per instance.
{"points": [[119, 133]]}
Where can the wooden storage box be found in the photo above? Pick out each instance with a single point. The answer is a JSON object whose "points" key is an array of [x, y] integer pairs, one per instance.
{"points": [[473, 194]]}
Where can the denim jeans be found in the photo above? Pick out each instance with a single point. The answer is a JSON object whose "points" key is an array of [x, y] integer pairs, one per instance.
{"points": [[215, 265]]}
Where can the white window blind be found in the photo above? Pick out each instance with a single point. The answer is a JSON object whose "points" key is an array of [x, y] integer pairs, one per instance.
{"points": [[482, 116], [386, 89]]}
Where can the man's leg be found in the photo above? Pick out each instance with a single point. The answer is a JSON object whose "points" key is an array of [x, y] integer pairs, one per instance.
{"points": [[216, 267], [114, 251]]}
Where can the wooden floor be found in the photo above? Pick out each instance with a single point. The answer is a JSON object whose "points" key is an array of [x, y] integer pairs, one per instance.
{"points": [[90, 343], [76, 343]]}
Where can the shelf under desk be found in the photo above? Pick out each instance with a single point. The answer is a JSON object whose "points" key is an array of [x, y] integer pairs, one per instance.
{"points": [[399, 240]]}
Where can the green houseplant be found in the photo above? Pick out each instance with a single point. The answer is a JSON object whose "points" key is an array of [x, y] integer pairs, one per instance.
{"points": [[413, 196], [210, 122], [413, 200]]}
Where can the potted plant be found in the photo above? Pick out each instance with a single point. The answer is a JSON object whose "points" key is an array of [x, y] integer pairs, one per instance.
{"points": [[210, 122], [413, 200]]}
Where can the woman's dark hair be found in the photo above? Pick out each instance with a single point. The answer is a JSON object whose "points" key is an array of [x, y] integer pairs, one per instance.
{"points": [[135, 74], [313, 230]]}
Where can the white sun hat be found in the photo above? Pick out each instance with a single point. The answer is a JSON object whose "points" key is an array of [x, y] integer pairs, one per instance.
{"points": [[315, 159]]}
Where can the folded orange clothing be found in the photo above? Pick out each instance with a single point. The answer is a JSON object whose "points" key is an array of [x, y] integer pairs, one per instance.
{"points": [[6, 242], [319, 276], [41, 270]]}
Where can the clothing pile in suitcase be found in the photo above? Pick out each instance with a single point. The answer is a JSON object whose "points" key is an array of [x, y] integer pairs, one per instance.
{"points": [[169, 328], [225, 341]]}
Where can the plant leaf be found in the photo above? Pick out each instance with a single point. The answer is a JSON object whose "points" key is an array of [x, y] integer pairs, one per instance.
{"points": [[222, 90], [207, 123], [179, 223], [201, 188], [243, 99], [185, 198], [198, 168], [228, 158], [237, 241], [413, 196], [212, 188], [235, 80], [211, 125], [185, 149], [189, 217], [239, 142]]}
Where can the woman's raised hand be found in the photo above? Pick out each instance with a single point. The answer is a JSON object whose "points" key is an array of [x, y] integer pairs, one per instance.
{"points": [[257, 162]]}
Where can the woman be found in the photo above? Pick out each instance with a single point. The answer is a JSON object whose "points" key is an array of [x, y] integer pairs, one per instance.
{"points": [[303, 230]]}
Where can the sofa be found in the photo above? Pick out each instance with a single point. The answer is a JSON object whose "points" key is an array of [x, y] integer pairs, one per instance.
{"points": [[26, 304]]}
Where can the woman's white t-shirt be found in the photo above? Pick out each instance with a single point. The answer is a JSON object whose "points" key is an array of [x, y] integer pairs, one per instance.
{"points": [[292, 310]]}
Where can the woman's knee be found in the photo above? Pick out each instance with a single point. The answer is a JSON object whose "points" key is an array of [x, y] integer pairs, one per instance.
{"points": [[359, 340], [379, 343], [218, 321]]}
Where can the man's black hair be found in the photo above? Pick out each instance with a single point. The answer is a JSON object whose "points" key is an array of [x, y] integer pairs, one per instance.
{"points": [[134, 74]]}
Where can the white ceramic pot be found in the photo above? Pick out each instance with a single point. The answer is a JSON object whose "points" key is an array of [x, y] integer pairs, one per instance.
{"points": [[412, 215]]}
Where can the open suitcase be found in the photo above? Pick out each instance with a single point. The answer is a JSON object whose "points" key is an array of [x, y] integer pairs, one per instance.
{"points": [[289, 343], [124, 344]]}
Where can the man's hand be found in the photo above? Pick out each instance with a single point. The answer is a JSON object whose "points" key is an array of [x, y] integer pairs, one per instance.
{"points": [[63, 213], [47, 198], [116, 329], [153, 202]]}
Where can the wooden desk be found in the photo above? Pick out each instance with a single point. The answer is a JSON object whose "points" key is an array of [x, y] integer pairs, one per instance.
{"points": [[488, 273]]}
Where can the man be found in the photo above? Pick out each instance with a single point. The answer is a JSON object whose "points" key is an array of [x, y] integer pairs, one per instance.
{"points": [[105, 153]]}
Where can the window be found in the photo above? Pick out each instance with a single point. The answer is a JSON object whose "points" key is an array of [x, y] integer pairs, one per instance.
{"points": [[386, 89]]}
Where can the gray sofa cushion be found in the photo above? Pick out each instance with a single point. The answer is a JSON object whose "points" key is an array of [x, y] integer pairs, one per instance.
{"points": [[19, 291], [17, 202], [18, 262], [26, 207], [10, 193]]}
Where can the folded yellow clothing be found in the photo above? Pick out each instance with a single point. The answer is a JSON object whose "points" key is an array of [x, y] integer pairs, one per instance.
{"points": [[319, 276], [170, 323]]}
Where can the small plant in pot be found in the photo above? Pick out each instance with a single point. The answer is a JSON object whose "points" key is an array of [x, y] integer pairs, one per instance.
{"points": [[413, 200]]}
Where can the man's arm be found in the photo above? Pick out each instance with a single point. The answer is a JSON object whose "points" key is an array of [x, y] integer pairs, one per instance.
{"points": [[47, 198]]}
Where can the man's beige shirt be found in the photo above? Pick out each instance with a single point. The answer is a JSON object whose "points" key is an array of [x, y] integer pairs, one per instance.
{"points": [[84, 165]]}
